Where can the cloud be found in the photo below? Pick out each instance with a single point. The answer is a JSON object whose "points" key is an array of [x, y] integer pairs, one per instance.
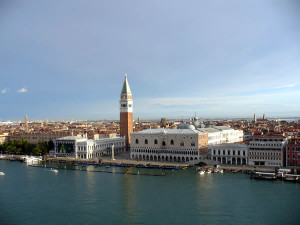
{"points": [[22, 90], [3, 91]]}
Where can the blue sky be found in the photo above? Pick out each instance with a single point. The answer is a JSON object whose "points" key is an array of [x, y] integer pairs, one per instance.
{"points": [[67, 59]]}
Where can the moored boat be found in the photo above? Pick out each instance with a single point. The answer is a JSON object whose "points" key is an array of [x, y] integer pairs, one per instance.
{"points": [[2, 174], [54, 170], [202, 172], [292, 177], [263, 176]]}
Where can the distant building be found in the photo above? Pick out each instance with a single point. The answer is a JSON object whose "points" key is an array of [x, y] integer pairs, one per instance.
{"points": [[254, 118], [26, 121], [126, 110], [172, 145], [35, 138], [230, 153], [267, 150], [293, 152], [79, 147]]}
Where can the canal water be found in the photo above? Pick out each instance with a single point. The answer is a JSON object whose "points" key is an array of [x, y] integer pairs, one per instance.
{"points": [[81, 195]]}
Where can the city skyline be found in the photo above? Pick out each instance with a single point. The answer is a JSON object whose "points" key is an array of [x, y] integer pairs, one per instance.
{"points": [[230, 59]]}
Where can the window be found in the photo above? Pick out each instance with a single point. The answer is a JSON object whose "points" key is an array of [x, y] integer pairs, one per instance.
{"points": [[163, 143], [193, 144], [146, 141], [155, 142], [182, 143], [136, 141], [172, 142]]}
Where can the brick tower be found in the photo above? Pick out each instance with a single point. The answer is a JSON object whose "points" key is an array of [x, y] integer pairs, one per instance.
{"points": [[126, 108]]}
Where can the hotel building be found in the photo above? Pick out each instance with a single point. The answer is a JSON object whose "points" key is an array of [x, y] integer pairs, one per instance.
{"points": [[293, 152], [267, 151]]}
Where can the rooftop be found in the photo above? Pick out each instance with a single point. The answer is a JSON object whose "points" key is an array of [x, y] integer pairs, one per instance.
{"points": [[167, 131]]}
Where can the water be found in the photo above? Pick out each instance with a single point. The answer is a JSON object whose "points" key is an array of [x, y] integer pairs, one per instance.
{"points": [[30, 195]]}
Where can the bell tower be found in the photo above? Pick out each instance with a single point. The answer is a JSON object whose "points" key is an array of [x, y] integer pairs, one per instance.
{"points": [[126, 109]]}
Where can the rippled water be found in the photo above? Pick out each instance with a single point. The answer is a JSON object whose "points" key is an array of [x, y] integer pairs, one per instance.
{"points": [[30, 195]]}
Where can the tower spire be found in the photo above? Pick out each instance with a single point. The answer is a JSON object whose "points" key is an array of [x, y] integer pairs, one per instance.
{"points": [[126, 88]]}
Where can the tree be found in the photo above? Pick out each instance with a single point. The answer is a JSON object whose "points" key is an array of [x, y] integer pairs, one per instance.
{"points": [[36, 151]]}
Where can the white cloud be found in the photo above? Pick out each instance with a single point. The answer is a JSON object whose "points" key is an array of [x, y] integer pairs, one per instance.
{"points": [[3, 91], [22, 90]]}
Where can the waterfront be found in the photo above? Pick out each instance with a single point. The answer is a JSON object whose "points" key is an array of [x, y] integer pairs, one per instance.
{"points": [[31, 195]]}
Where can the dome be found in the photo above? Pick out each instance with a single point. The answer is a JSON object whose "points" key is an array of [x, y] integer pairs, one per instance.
{"points": [[183, 126]]}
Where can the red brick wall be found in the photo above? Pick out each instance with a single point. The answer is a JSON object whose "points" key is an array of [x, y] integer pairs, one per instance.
{"points": [[126, 126]]}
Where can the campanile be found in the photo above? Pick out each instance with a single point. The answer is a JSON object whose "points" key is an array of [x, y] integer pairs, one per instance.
{"points": [[126, 109]]}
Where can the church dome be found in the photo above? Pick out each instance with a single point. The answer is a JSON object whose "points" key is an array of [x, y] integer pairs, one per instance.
{"points": [[182, 126]]}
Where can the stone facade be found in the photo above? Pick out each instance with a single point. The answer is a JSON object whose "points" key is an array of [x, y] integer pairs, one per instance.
{"points": [[78, 147], [173, 145], [231, 153]]}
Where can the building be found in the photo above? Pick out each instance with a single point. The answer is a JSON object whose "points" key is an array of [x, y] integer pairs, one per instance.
{"points": [[79, 147], [126, 109], [267, 151], [230, 153], [173, 145], [3, 137], [35, 138], [222, 134], [293, 152], [26, 121]]}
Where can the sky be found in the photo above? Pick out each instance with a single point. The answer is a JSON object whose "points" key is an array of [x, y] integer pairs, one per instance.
{"points": [[66, 60]]}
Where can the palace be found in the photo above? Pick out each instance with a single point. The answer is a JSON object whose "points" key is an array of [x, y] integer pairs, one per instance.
{"points": [[174, 145]]}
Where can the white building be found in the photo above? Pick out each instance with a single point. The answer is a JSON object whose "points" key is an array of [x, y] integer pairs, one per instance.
{"points": [[173, 145], [230, 153], [222, 134], [267, 150], [79, 147]]}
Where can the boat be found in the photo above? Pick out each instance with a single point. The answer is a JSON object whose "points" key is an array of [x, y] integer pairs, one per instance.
{"points": [[202, 172], [263, 176], [53, 171], [208, 171], [2, 174], [292, 177], [31, 159]]}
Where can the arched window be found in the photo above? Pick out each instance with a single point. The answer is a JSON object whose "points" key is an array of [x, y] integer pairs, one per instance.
{"points": [[155, 142], [172, 142], [163, 143], [146, 141], [193, 144], [182, 143], [136, 141]]}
